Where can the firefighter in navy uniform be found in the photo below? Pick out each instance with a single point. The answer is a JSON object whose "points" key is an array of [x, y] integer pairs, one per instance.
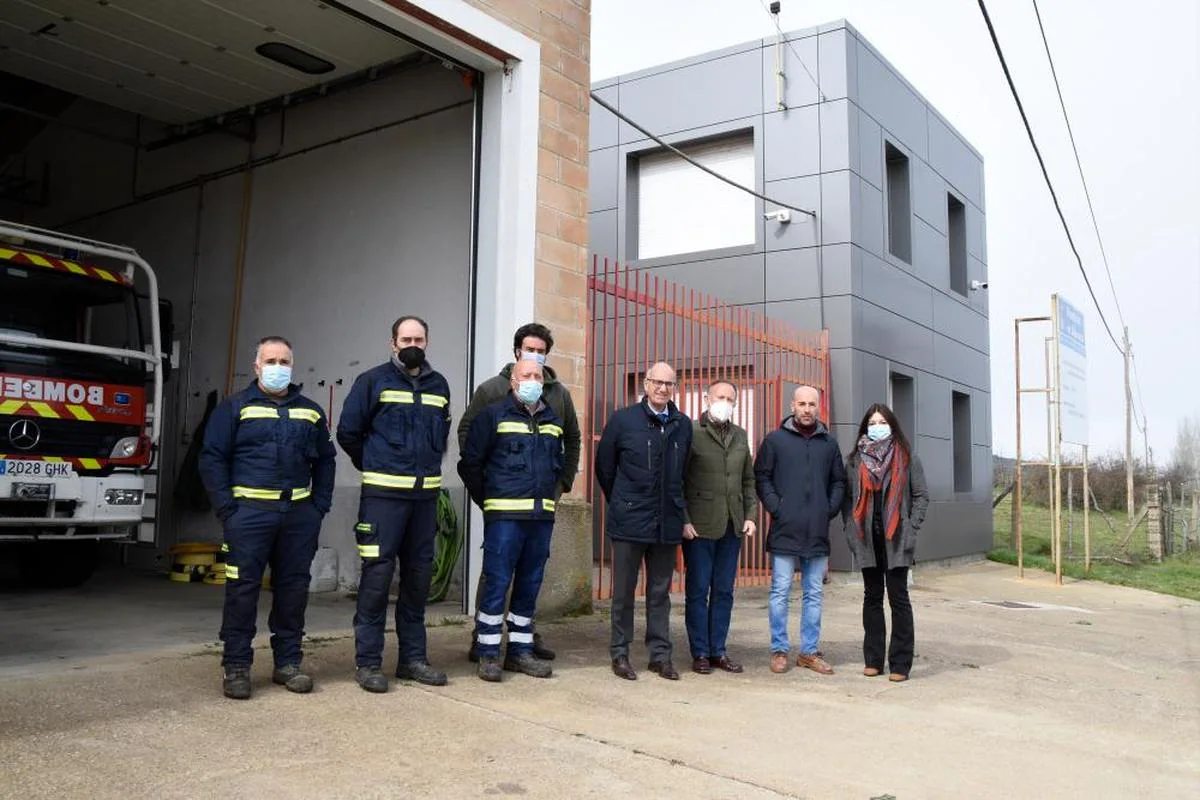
{"points": [[512, 467], [268, 464], [395, 425]]}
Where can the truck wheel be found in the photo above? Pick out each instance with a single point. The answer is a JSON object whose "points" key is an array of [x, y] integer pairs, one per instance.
{"points": [[59, 565]]}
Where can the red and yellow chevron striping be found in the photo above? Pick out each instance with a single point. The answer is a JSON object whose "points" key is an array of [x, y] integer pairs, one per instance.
{"points": [[38, 260]]}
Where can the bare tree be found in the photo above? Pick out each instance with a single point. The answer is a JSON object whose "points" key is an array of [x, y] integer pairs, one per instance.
{"points": [[1185, 460]]}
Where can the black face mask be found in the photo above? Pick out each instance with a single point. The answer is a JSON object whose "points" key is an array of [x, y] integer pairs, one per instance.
{"points": [[411, 357]]}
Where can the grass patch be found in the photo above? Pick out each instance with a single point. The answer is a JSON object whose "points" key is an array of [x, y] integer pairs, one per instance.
{"points": [[1177, 575], [447, 622]]}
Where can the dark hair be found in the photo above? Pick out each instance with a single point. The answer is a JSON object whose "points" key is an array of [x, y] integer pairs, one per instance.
{"points": [[719, 381], [537, 331], [396, 325], [892, 422], [270, 340]]}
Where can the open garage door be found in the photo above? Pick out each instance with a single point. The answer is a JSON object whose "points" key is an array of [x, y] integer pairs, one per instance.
{"points": [[288, 167]]}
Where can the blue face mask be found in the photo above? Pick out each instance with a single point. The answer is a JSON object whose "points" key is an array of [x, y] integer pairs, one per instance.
{"points": [[529, 392], [877, 432], [540, 358], [276, 377]]}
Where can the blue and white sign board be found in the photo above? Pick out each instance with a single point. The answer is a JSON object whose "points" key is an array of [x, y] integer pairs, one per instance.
{"points": [[1072, 373]]}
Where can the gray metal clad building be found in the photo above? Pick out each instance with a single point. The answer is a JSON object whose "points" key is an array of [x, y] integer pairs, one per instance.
{"points": [[890, 265]]}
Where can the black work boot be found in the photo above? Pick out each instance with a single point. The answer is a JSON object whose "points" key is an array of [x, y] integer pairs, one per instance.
{"points": [[421, 672], [540, 650], [237, 681], [473, 653], [529, 665], [489, 669], [292, 678], [371, 679]]}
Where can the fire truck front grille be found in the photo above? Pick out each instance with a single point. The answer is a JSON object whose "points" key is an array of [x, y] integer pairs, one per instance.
{"points": [[67, 438]]}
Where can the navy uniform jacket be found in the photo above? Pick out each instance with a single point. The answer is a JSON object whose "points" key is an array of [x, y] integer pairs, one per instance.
{"points": [[639, 465], [395, 427], [512, 461], [258, 447]]}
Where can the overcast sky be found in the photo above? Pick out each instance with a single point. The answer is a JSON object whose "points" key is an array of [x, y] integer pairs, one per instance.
{"points": [[1130, 77]]}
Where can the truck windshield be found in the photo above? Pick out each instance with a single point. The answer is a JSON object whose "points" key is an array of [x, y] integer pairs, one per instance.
{"points": [[40, 304]]}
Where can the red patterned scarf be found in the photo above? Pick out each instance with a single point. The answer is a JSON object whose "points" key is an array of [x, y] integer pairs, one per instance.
{"points": [[875, 460]]}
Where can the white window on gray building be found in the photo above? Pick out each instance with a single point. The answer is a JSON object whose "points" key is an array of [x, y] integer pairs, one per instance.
{"points": [[899, 208], [682, 209]]}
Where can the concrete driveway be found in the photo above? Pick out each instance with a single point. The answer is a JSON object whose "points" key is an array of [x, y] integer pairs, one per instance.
{"points": [[1093, 692]]}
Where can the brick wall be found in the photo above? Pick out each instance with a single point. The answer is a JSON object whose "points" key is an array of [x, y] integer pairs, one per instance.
{"points": [[563, 27]]}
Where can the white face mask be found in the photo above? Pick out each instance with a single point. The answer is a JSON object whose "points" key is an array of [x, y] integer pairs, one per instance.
{"points": [[721, 411]]}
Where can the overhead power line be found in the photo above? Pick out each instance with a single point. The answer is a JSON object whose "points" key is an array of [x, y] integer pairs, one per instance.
{"points": [[788, 42], [1045, 173], [1079, 164], [607, 107]]}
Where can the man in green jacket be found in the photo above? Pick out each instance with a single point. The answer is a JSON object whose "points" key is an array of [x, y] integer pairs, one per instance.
{"points": [[721, 509], [531, 342]]}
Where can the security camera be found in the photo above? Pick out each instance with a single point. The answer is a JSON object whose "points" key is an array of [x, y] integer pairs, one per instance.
{"points": [[977, 285], [775, 8], [781, 215]]}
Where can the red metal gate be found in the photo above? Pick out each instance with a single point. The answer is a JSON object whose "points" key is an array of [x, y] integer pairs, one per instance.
{"points": [[637, 318]]}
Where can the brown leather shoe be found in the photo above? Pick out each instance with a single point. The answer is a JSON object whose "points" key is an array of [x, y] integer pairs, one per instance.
{"points": [[897, 677], [701, 665], [724, 663], [815, 663], [870, 672], [664, 669], [779, 663], [623, 669]]}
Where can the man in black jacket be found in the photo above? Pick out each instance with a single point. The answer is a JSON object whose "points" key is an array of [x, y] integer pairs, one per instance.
{"points": [[801, 481], [639, 464]]}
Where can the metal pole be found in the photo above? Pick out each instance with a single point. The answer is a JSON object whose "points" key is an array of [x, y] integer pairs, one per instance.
{"points": [[1050, 457], [1057, 449], [1087, 515], [1016, 501], [1129, 501]]}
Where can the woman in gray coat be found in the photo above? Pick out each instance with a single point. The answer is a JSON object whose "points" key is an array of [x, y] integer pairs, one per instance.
{"points": [[886, 501]]}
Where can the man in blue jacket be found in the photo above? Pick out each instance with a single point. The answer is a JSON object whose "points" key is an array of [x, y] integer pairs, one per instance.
{"points": [[394, 425], [801, 480], [512, 465], [268, 465], [639, 465]]}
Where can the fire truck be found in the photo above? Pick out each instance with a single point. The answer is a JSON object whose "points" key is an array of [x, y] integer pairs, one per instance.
{"points": [[81, 388]]}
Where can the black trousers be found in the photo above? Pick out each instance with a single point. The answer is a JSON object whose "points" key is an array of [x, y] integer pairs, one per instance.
{"points": [[875, 579], [660, 565]]}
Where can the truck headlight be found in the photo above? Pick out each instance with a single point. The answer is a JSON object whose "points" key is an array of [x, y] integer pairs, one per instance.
{"points": [[125, 448], [123, 497]]}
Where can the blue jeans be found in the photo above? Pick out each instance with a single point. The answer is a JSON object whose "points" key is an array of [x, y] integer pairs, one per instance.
{"points": [[812, 577], [514, 552], [711, 570]]}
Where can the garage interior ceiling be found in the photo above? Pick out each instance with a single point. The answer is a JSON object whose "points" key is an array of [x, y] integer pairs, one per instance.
{"points": [[178, 61]]}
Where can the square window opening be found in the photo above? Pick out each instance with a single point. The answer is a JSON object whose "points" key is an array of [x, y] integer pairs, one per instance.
{"points": [[679, 208]]}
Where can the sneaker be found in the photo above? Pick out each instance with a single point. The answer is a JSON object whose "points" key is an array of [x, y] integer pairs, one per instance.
{"points": [[421, 672], [371, 679], [540, 650], [815, 663], [779, 663], [291, 678], [236, 683], [528, 664], [489, 670]]}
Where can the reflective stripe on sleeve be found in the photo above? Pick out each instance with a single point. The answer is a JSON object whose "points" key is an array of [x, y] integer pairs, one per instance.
{"points": [[508, 504]]}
